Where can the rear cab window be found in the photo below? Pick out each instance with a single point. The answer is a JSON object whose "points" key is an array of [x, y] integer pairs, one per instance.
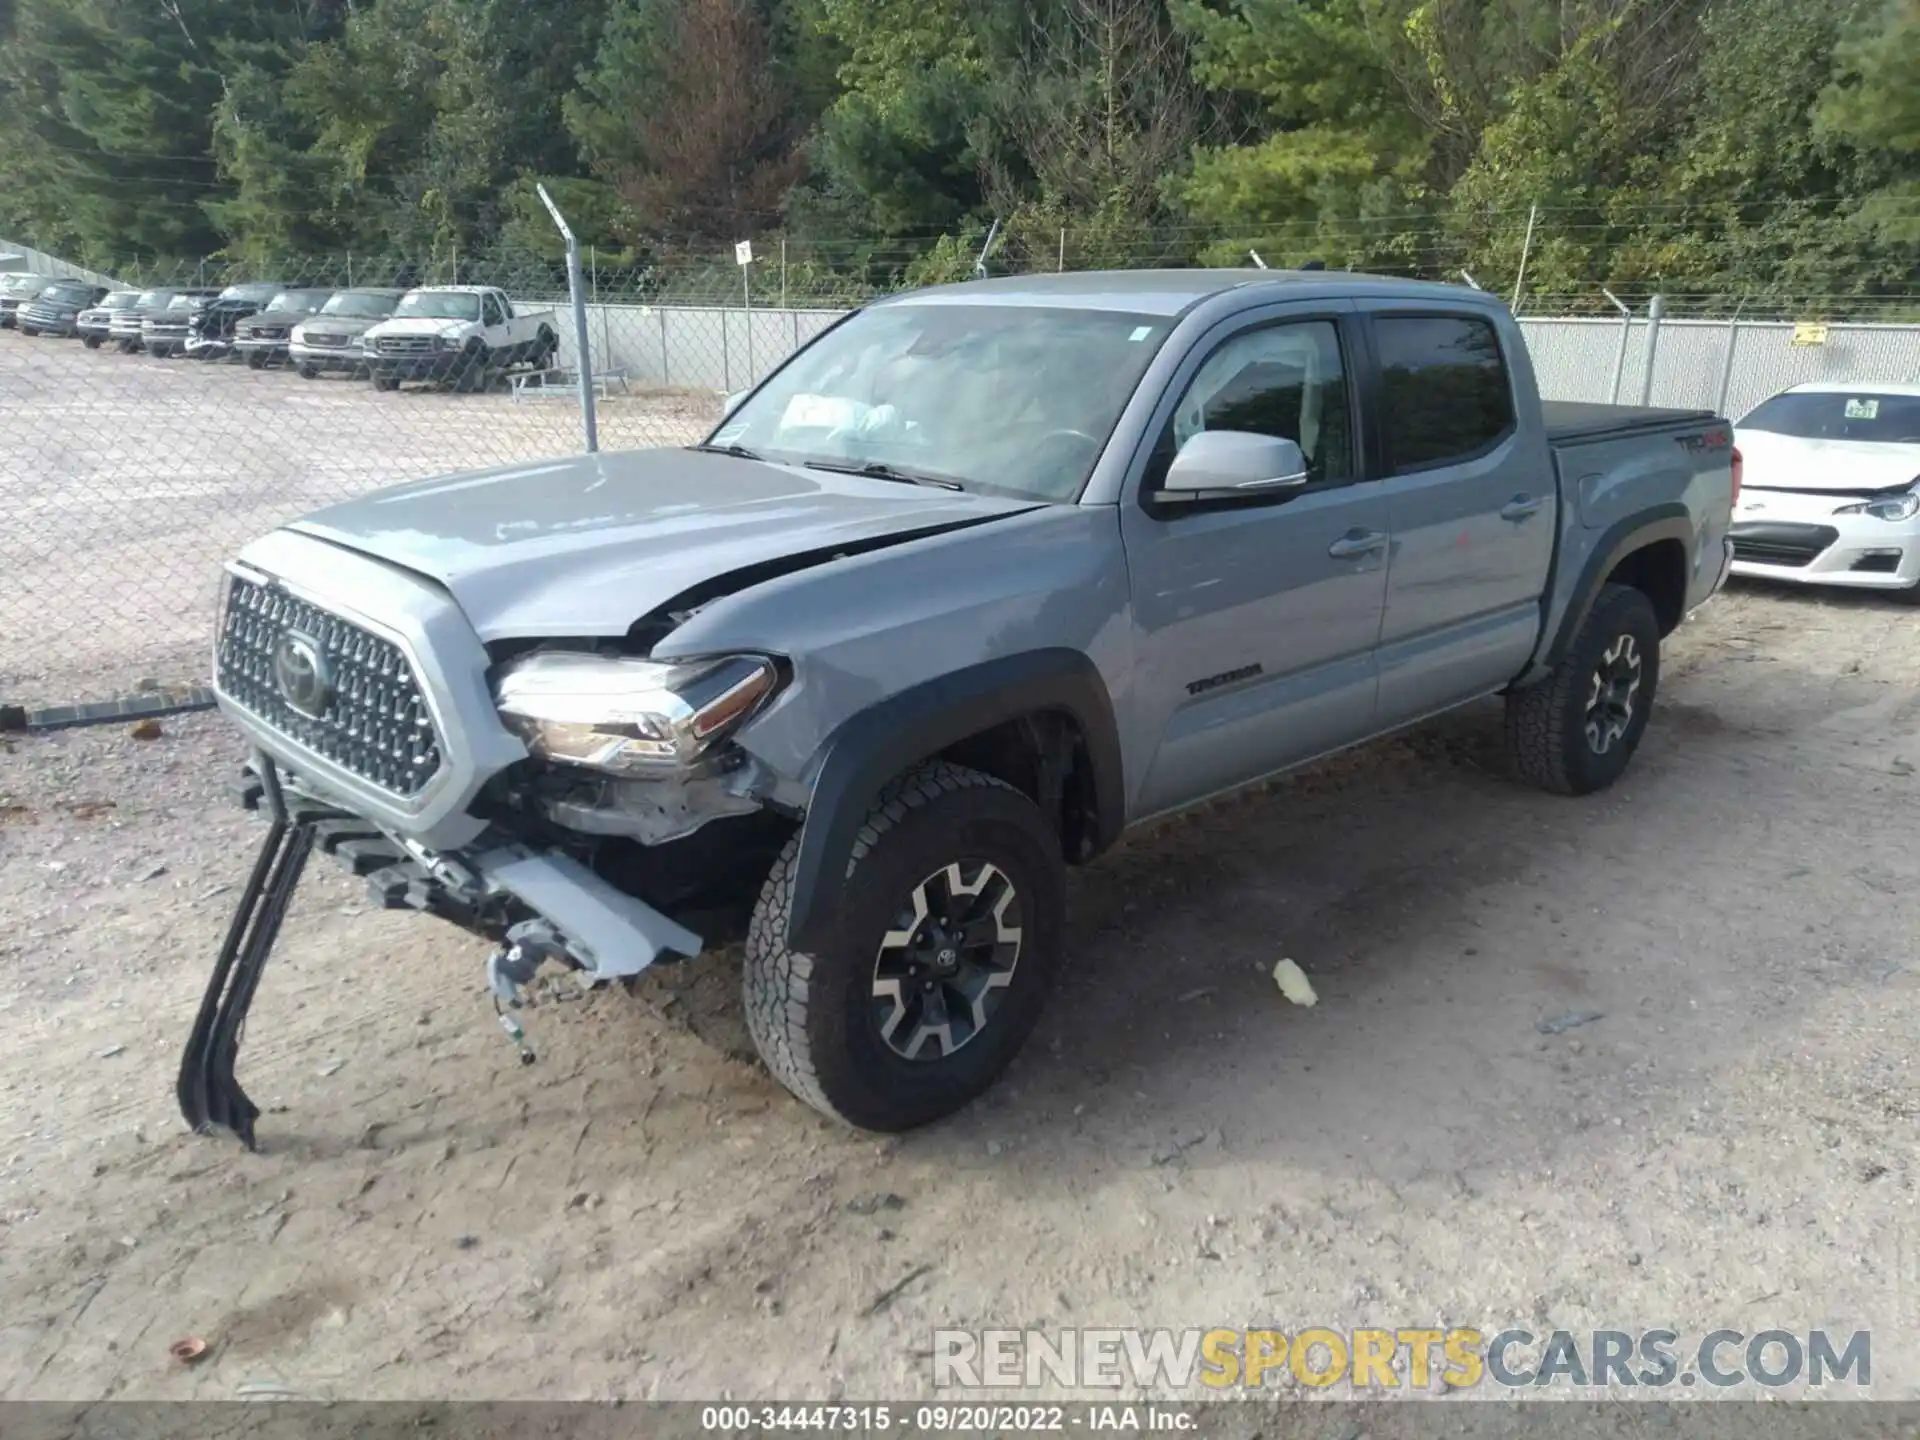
{"points": [[1445, 394]]}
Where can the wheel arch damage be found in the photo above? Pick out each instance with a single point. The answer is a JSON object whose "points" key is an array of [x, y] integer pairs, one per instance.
{"points": [[1040, 719]]}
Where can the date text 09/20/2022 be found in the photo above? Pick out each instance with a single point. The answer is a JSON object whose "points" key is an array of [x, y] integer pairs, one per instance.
{"points": [[948, 1419]]}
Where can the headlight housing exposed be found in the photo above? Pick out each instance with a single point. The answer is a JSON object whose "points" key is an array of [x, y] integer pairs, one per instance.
{"points": [[637, 718], [1892, 507]]}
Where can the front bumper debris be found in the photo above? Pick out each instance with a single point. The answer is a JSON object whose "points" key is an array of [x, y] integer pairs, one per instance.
{"points": [[535, 905]]}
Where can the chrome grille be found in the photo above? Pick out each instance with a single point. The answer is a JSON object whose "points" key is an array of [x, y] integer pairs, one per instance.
{"points": [[374, 722], [266, 332], [325, 342], [404, 344]]}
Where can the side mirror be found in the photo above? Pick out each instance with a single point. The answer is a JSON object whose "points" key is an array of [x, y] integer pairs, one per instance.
{"points": [[1220, 463]]}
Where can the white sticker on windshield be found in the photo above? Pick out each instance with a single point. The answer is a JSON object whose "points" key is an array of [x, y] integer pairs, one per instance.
{"points": [[1863, 409], [822, 412], [1140, 332]]}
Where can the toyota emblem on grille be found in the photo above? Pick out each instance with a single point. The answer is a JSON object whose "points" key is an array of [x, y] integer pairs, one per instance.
{"points": [[302, 674]]}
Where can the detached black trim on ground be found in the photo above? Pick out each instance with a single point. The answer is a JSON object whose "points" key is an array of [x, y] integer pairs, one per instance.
{"points": [[105, 712]]}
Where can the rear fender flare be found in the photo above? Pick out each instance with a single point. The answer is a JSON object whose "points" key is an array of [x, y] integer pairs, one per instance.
{"points": [[1670, 521], [886, 739]]}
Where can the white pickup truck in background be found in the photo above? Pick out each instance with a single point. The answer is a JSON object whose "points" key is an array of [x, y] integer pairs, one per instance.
{"points": [[464, 334]]}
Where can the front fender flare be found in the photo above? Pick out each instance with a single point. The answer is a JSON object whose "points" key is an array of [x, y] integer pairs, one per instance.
{"points": [[889, 737]]}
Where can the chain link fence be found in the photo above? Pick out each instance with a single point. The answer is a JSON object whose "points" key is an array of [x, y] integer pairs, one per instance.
{"points": [[128, 474]]}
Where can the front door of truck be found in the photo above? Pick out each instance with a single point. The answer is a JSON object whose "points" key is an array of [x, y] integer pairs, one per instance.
{"points": [[1256, 619]]}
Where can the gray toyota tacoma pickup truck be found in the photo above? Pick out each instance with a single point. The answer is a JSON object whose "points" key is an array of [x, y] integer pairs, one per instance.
{"points": [[975, 581]]}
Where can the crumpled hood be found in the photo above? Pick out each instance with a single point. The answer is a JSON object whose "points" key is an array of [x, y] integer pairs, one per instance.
{"points": [[589, 544], [1789, 462]]}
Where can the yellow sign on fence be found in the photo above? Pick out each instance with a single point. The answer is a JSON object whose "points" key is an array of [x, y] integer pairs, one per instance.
{"points": [[1809, 332]]}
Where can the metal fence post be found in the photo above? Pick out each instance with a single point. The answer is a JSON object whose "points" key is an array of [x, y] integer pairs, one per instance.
{"points": [[1726, 369], [600, 304], [666, 374], [576, 289], [746, 294], [1620, 355], [1655, 312]]}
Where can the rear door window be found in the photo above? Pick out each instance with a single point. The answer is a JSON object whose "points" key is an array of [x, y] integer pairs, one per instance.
{"points": [[1445, 395]]}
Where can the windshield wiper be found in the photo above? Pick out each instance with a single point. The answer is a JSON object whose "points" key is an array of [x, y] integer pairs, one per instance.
{"points": [[739, 452], [880, 470]]}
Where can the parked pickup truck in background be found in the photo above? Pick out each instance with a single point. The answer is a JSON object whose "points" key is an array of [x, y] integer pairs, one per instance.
{"points": [[211, 322], [166, 326], [56, 309], [128, 328], [333, 339], [978, 579], [263, 339], [95, 324], [464, 334]]}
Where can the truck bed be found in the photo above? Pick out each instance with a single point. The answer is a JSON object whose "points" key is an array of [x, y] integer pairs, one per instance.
{"points": [[1569, 420]]}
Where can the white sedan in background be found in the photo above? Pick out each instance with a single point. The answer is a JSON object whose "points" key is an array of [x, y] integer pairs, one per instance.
{"points": [[1831, 488]]}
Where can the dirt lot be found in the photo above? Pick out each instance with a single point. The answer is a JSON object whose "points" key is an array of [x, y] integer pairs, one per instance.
{"points": [[643, 1213], [126, 481]]}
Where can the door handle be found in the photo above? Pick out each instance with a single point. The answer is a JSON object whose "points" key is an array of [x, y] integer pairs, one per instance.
{"points": [[1521, 507], [1356, 543]]}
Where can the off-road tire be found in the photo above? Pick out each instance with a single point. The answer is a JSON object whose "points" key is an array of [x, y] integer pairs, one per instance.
{"points": [[1547, 722], [386, 382], [810, 1015]]}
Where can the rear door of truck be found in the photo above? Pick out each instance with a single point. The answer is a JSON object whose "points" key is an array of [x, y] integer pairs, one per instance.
{"points": [[1471, 502]]}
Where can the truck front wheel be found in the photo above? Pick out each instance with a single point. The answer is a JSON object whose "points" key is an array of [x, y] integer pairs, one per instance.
{"points": [[944, 944], [1575, 732]]}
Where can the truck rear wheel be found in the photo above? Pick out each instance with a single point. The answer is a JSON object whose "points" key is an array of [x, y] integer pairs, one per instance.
{"points": [[1575, 732], [943, 947]]}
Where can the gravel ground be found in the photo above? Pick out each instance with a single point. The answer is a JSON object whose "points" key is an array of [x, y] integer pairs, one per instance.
{"points": [[126, 482], [1727, 1142]]}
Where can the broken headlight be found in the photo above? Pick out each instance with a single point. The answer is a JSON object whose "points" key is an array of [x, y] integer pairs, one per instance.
{"points": [[630, 717]]}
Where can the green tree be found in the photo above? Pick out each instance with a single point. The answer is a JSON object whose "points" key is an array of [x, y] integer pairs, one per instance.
{"points": [[1873, 105]]}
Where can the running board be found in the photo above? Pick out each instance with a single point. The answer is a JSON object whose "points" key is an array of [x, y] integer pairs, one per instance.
{"points": [[210, 1097]]}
